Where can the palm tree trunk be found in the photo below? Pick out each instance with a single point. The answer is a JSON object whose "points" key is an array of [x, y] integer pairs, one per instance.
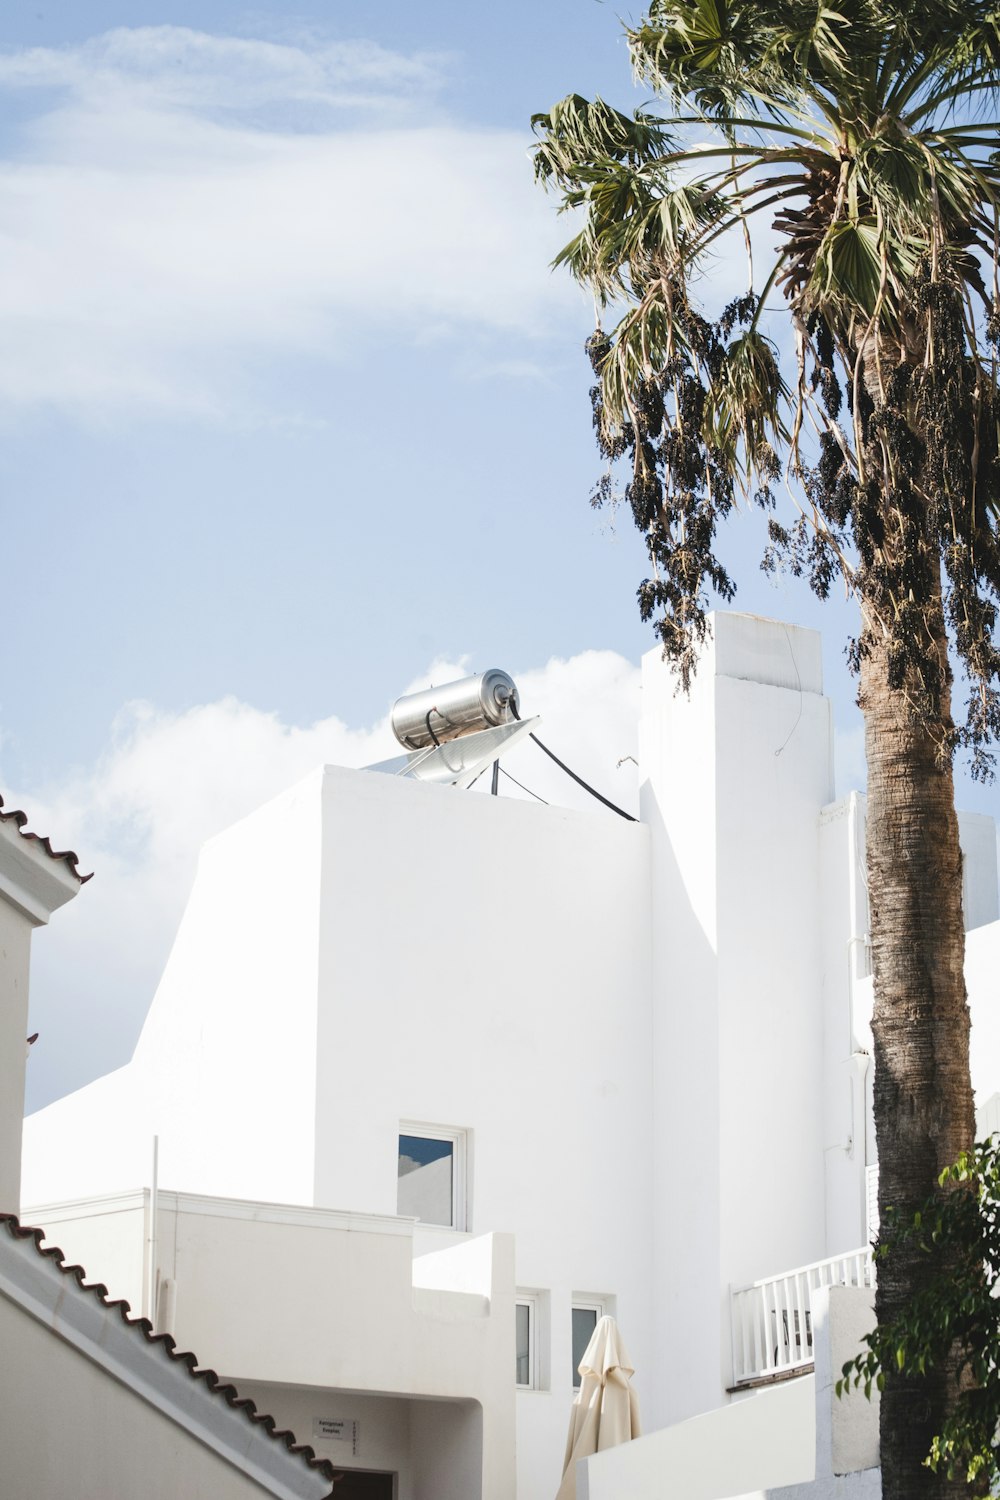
{"points": [[923, 1095]]}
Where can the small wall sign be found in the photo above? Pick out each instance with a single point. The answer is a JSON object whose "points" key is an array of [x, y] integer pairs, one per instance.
{"points": [[337, 1430]]}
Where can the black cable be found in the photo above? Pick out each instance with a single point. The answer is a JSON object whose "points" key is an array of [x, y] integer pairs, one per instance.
{"points": [[563, 767], [580, 781], [524, 788]]}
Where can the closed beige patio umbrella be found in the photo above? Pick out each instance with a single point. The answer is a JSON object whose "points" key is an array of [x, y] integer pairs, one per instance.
{"points": [[606, 1409]]}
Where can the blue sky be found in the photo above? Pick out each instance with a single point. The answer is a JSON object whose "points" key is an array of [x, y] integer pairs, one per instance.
{"points": [[289, 375], [291, 410]]}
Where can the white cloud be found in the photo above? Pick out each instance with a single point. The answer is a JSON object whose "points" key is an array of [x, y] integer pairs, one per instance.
{"points": [[192, 206], [177, 66], [169, 781], [518, 370]]}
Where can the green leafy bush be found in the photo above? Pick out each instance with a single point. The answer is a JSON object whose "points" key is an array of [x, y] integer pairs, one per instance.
{"points": [[954, 1323]]}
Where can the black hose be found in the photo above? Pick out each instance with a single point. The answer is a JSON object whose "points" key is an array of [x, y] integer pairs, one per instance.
{"points": [[523, 787], [564, 767]]}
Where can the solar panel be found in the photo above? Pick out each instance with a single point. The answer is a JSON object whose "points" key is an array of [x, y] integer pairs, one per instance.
{"points": [[458, 762]]}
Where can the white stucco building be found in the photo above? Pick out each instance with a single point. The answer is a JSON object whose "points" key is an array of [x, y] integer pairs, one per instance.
{"points": [[447, 1076]]}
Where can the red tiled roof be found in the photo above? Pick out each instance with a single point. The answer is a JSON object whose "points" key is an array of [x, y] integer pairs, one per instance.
{"points": [[144, 1327], [20, 818]]}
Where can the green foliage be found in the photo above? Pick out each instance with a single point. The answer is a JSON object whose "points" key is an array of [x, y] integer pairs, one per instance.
{"points": [[837, 125], [954, 1322]]}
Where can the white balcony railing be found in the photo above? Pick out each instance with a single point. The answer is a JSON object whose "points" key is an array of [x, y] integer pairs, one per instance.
{"points": [[772, 1319]]}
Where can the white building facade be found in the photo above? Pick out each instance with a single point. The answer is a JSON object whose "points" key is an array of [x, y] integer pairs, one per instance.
{"points": [[639, 1048]]}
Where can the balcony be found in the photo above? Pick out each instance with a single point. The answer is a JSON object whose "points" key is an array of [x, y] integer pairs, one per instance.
{"points": [[772, 1319]]}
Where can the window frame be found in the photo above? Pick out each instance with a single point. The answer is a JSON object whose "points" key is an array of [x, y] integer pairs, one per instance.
{"points": [[459, 1140], [528, 1300]]}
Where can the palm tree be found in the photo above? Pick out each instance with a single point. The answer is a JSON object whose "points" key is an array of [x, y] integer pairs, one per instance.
{"points": [[861, 135]]}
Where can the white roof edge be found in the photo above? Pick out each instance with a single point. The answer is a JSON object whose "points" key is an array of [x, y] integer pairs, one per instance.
{"points": [[737, 647], [44, 1214], [36, 1284], [34, 881], [39, 1215], [286, 794]]}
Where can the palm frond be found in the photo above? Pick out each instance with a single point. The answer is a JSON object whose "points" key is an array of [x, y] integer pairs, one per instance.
{"points": [[577, 131], [747, 399], [864, 126]]}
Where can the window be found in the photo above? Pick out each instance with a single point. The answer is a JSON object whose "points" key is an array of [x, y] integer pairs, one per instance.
{"points": [[531, 1338], [431, 1175], [526, 1320], [585, 1313]]}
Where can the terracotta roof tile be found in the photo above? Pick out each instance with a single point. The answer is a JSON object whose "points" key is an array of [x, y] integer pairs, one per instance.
{"points": [[16, 815], [144, 1328]]}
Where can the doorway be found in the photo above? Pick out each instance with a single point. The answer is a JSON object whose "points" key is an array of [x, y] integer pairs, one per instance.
{"points": [[364, 1484]]}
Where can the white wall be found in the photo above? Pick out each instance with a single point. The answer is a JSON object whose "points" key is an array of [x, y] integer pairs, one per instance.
{"points": [[444, 1442], [309, 1299], [224, 1069], [365, 951], [227, 1051], [15, 947], [846, 1426], [484, 965], [109, 1238], [70, 1432], [769, 786], [677, 801], [733, 780], [381, 1423], [96, 1140], [847, 1009], [754, 1444], [433, 1447]]}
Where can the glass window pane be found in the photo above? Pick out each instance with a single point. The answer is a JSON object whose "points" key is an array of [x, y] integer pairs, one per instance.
{"points": [[522, 1314], [584, 1323], [425, 1179]]}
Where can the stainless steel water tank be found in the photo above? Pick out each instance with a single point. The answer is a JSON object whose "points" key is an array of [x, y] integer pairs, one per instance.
{"points": [[444, 713]]}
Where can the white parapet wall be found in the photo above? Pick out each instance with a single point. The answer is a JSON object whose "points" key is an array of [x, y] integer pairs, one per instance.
{"points": [[760, 1442], [326, 1320], [846, 1425], [795, 1437]]}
